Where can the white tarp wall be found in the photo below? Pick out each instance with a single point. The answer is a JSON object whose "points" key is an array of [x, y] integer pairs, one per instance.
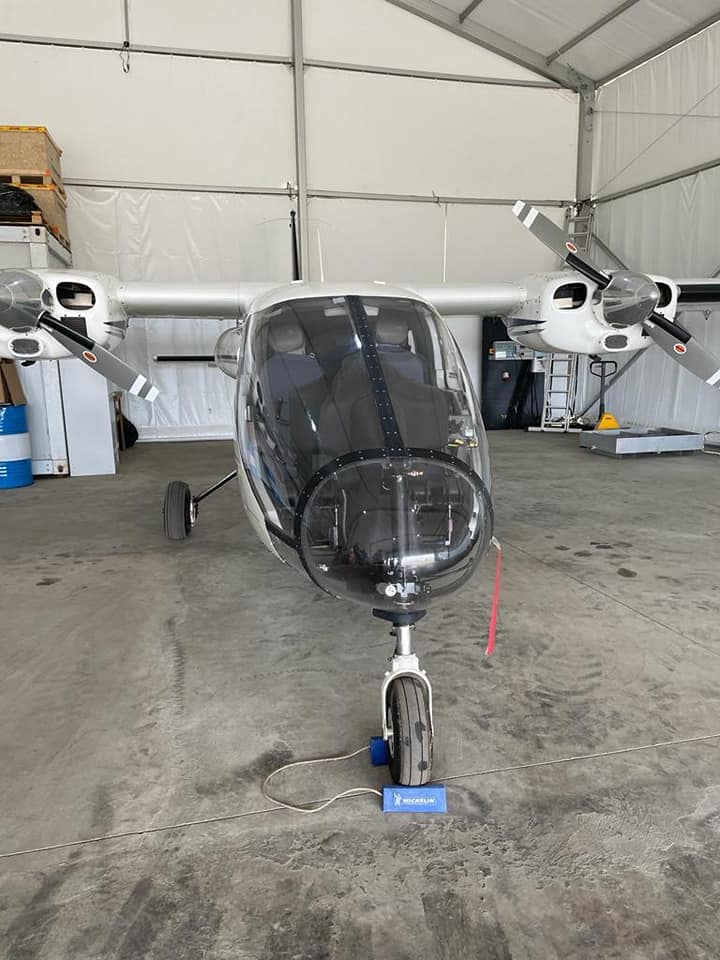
{"points": [[218, 133], [658, 120]]}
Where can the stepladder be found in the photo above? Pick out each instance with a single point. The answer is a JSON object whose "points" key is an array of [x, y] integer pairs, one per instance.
{"points": [[561, 379]]}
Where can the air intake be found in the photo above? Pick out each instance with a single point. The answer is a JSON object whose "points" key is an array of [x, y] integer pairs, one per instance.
{"points": [[26, 347]]}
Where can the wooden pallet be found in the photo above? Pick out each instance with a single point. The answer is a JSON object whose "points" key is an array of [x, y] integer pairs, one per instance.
{"points": [[32, 219], [30, 178]]}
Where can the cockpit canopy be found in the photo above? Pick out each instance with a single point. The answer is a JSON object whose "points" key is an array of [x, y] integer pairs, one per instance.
{"points": [[362, 440]]}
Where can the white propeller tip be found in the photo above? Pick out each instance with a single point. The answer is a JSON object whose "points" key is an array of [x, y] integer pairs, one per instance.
{"points": [[525, 213]]}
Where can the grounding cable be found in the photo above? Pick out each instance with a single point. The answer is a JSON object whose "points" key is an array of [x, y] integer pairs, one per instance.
{"points": [[315, 806], [318, 805]]}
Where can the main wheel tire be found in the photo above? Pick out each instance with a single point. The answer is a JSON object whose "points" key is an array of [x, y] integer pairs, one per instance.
{"points": [[410, 746], [177, 510]]}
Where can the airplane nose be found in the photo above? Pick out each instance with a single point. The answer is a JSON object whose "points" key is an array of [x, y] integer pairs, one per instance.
{"points": [[395, 533]]}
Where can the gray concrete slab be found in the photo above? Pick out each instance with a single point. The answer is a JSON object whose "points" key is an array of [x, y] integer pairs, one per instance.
{"points": [[146, 684]]}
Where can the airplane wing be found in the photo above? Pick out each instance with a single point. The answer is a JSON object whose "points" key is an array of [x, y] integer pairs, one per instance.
{"points": [[228, 300], [698, 294], [211, 301], [472, 299]]}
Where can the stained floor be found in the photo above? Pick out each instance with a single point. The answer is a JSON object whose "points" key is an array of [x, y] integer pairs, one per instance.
{"points": [[146, 684]]}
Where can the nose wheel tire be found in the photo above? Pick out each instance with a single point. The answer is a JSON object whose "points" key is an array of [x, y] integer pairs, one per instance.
{"points": [[177, 511], [410, 743]]}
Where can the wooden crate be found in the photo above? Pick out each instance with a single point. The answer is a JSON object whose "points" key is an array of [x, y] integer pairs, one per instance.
{"points": [[29, 148], [54, 209]]}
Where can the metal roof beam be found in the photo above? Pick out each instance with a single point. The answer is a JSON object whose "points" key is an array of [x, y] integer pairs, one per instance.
{"points": [[428, 74], [495, 42], [593, 28], [659, 181], [469, 9], [659, 50], [608, 252]]}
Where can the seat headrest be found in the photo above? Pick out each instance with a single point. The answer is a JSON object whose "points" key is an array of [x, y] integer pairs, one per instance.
{"points": [[286, 335], [391, 329]]}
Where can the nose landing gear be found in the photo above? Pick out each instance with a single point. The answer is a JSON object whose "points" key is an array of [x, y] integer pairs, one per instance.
{"points": [[406, 703]]}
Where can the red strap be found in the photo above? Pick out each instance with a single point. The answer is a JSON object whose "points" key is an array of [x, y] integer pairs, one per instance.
{"points": [[496, 602]]}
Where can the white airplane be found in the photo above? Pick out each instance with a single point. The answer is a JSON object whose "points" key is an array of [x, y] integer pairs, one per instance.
{"points": [[360, 450]]}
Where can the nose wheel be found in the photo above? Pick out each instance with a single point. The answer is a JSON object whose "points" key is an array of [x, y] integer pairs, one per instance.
{"points": [[410, 740], [406, 698]]}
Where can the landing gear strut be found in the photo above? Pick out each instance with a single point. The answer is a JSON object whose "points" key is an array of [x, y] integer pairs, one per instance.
{"points": [[180, 507], [406, 703]]}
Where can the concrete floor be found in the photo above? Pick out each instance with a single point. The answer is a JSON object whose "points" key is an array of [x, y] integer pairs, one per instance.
{"points": [[146, 684]]}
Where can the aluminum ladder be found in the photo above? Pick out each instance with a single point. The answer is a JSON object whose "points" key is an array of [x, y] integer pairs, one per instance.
{"points": [[579, 225], [561, 378]]}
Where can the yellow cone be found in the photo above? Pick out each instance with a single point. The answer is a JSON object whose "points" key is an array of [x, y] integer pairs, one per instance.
{"points": [[607, 422]]}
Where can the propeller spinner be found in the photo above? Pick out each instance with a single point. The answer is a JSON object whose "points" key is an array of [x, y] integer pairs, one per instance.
{"points": [[20, 299], [626, 298], [25, 304]]}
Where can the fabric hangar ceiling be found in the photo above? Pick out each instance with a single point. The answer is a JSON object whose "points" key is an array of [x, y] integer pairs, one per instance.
{"points": [[568, 41]]}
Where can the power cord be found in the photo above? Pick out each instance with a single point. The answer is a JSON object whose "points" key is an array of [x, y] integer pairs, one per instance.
{"points": [[317, 805]]}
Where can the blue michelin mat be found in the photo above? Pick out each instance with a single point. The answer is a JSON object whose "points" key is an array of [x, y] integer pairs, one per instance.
{"points": [[414, 799]]}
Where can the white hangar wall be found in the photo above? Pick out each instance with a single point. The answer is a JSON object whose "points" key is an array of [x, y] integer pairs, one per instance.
{"points": [[179, 168], [656, 121]]}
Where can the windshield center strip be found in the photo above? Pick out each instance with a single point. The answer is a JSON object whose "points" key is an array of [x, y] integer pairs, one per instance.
{"points": [[388, 422]]}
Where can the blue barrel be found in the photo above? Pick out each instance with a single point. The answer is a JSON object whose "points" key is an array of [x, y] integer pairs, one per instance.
{"points": [[15, 458]]}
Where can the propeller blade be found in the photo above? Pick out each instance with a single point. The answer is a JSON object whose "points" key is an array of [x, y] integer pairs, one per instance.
{"points": [[559, 242], [679, 344], [100, 359]]}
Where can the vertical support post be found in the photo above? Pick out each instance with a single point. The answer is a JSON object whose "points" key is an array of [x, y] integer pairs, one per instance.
{"points": [[298, 66], [125, 52], [586, 110], [126, 22]]}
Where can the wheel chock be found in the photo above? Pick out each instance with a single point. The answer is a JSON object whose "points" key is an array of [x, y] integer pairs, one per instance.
{"points": [[414, 799], [379, 756], [607, 422]]}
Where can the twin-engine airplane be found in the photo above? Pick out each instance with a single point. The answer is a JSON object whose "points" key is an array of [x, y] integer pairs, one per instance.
{"points": [[360, 449]]}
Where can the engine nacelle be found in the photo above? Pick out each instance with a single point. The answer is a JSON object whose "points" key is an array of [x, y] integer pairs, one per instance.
{"points": [[86, 302], [563, 314]]}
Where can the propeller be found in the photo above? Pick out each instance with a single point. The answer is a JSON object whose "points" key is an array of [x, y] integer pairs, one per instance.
{"points": [[626, 298], [100, 359], [25, 301]]}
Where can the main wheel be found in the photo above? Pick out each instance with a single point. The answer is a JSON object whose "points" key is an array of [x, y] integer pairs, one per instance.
{"points": [[177, 510], [410, 742]]}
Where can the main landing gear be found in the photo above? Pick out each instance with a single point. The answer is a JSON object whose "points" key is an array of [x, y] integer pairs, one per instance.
{"points": [[406, 704], [180, 507]]}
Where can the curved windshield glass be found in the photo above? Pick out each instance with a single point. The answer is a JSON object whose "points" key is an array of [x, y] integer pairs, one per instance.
{"points": [[334, 381], [395, 533]]}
